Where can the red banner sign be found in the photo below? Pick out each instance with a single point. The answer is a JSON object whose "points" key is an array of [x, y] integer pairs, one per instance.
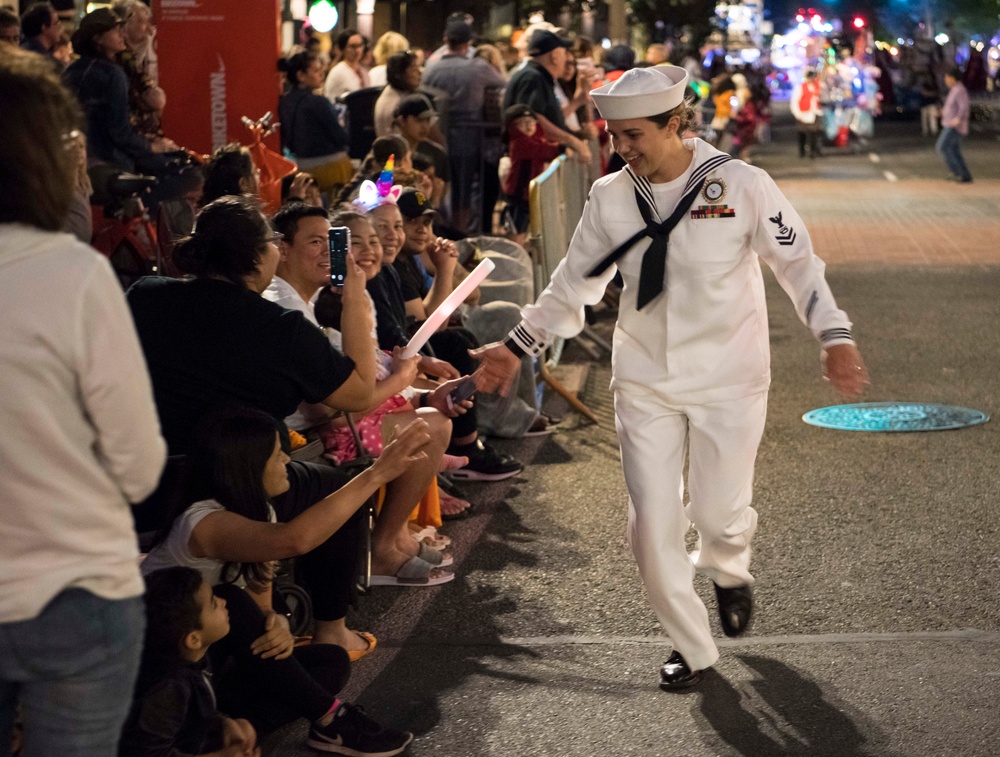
{"points": [[217, 63]]}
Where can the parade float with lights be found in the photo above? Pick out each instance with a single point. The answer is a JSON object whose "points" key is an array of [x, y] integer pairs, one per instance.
{"points": [[848, 76]]}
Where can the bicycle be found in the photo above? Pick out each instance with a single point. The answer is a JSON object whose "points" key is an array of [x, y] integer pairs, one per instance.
{"points": [[123, 230], [136, 244], [273, 166]]}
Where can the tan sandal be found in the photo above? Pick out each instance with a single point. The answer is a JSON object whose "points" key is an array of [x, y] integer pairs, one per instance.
{"points": [[432, 538], [357, 654]]}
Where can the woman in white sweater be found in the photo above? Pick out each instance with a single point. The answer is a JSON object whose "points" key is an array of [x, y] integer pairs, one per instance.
{"points": [[81, 441]]}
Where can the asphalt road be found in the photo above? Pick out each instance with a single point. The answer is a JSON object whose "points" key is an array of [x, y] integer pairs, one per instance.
{"points": [[876, 557], [897, 152]]}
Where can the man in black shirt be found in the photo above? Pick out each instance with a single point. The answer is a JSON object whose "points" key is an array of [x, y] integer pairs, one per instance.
{"points": [[220, 345], [42, 28], [533, 84]]}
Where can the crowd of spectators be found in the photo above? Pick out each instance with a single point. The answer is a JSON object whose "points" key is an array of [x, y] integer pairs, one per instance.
{"points": [[194, 396]]}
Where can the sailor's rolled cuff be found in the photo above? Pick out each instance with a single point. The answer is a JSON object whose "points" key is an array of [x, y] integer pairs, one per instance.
{"points": [[835, 336], [524, 340]]}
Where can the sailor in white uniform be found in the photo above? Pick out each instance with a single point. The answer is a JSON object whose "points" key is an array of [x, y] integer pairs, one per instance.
{"points": [[685, 225]]}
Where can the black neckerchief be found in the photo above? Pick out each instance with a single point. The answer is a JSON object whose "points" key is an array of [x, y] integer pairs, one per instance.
{"points": [[652, 275]]}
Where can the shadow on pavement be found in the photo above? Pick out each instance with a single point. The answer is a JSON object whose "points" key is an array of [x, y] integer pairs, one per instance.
{"points": [[458, 635], [781, 712]]}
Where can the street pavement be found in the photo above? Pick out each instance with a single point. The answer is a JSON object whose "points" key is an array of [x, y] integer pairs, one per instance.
{"points": [[877, 628]]}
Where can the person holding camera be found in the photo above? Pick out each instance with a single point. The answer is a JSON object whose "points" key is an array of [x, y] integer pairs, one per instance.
{"points": [[302, 278]]}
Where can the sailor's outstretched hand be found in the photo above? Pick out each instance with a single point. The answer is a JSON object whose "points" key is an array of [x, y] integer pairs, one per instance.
{"points": [[845, 369]]}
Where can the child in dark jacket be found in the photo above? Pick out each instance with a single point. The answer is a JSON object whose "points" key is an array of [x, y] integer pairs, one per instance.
{"points": [[176, 707], [174, 712], [529, 151]]}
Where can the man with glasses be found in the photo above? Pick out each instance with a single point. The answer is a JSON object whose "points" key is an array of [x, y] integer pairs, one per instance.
{"points": [[348, 75], [42, 28]]}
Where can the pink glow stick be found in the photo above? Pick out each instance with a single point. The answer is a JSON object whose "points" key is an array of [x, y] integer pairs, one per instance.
{"points": [[446, 308]]}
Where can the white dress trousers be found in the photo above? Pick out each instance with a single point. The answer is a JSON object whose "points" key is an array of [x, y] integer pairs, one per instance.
{"points": [[720, 441]]}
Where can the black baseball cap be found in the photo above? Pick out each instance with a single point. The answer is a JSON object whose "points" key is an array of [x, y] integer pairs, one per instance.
{"points": [[93, 25], [99, 21], [619, 58], [413, 203], [458, 32], [516, 111], [414, 105], [544, 41]]}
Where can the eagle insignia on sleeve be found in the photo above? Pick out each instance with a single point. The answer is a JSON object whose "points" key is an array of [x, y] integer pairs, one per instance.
{"points": [[786, 234]]}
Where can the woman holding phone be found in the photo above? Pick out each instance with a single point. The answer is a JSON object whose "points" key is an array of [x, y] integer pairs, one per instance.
{"points": [[401, 401], [395, 395]]}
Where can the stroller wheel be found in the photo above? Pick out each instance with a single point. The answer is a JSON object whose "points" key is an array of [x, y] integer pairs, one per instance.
{"points": [[300, 613]]}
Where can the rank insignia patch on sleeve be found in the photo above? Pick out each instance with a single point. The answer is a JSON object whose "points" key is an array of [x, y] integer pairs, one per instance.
{"points": [[713, 211], [786, 234]]}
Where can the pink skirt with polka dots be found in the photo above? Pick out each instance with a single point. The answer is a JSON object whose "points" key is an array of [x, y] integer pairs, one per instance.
{"points": [[339, 441]]}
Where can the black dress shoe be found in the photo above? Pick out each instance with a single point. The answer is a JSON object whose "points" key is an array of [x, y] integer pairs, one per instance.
{"points": [[675, 674], [735, 609]]}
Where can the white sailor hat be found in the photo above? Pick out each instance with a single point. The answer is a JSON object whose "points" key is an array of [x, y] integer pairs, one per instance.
{"points": [[642, 92]]}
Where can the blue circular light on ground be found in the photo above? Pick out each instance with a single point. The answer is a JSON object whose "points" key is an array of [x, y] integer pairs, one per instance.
{"points": [[895, 416]]}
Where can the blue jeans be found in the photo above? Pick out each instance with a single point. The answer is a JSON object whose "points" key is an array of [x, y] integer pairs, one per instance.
{"points": [[73, 669], [949, 145]]}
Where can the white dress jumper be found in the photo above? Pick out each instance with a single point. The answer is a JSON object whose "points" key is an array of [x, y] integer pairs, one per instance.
{"points": [[690, 371]]}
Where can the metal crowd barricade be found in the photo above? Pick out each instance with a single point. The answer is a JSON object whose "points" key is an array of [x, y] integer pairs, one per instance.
{"points": [[556, 200]]}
